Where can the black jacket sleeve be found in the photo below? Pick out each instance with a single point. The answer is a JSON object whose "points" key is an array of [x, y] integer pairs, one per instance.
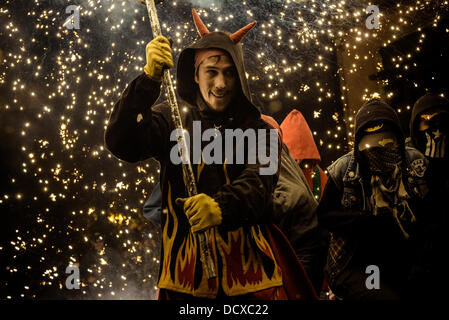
{"points": [[248, 199], [135, 132], [331, 214]]}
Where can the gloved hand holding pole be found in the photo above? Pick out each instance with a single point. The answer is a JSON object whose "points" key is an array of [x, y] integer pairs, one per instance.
{"points": [[186, 167]]}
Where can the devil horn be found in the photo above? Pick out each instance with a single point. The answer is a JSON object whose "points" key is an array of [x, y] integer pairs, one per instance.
{"points": [[237, 36], [200, 26]]}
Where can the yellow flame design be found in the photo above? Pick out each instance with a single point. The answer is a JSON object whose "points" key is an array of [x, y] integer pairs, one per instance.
{"points": [[373, 129], [385, 141]]}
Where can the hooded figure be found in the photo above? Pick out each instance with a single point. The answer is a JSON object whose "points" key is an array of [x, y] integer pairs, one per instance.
{"points": [[234, 203], [299, 140], [429, 130], [429, 127], [371, 207], [429, 133], [301, 177]]}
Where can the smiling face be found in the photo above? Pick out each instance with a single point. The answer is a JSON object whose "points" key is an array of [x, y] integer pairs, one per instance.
{"points": [[217, 79]]}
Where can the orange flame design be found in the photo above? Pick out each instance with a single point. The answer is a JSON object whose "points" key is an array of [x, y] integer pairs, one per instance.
{"points": [[240, 271], [186, 265], [167, 242]]}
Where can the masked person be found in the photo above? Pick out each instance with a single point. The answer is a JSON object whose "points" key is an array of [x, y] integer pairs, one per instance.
{"points": [[301, 172], [371, 207], [234, 201], [429, 128], [299, 140]]}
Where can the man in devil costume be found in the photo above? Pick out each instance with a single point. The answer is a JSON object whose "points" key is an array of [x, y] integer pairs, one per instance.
{"points": [[234, 201], [429, 131], [372, 206]]}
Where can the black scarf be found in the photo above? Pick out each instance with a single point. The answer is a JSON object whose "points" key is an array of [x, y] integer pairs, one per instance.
{"points": [[382, 161]]}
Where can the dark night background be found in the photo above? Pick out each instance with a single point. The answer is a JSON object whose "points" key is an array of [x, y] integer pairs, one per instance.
{"points": [[65, 200]]}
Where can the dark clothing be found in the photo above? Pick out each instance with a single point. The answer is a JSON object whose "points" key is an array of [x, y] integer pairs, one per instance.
{"points": [[437, 173], [244, 201], [152, 207], [375, 111], [295, 214], [294, 204], [298, 187], [351, 285], [425, 103], [137, 130], [371, 113], [301, 144], [357, 237], [430, 271]]}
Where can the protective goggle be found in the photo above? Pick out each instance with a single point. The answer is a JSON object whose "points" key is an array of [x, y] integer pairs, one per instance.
{"points": [[375, 138], [433, 119]]}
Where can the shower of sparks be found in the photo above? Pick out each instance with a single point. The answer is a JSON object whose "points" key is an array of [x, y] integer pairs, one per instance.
{"points": [[71, 202]]}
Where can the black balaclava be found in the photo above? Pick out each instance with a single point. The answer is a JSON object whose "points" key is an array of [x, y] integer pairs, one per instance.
{"points": [[373, 118], [429, 126], [380, 151], [432, 133]]}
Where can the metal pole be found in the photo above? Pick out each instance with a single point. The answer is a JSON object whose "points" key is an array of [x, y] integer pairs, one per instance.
{"points": [[186, 167]]}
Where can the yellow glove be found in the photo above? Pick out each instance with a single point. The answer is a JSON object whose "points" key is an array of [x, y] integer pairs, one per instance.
{"points": [[159, 57], [202, 211]]}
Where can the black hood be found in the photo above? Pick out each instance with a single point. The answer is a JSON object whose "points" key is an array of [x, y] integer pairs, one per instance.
{"points": [[187, 87], [374, 111], [426, 102]]}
